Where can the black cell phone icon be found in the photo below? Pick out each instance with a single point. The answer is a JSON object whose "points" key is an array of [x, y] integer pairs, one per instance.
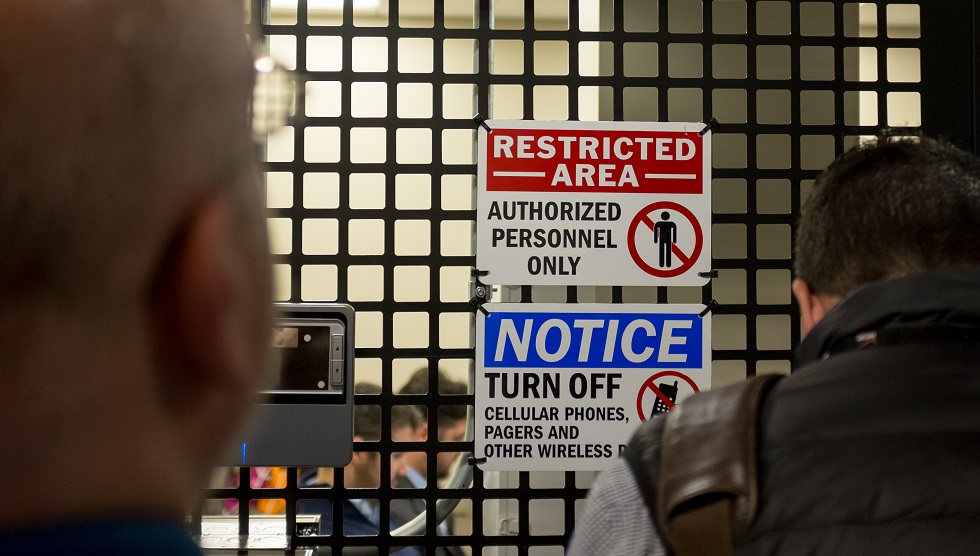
{"points": [[670, 392]]}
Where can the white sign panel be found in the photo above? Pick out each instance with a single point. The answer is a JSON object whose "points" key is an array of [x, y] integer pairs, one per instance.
{"points": [[594, 203], [562, 387]]}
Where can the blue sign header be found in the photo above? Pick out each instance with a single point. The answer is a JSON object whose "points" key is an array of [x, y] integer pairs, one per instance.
{"points": [[593, 340]]}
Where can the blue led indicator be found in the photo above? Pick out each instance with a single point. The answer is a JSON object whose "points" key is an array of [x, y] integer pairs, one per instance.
{"points": [[244, 451]]}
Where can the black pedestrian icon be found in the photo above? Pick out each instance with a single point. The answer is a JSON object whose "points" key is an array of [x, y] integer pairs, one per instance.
{"points": [[665, 235], [674, 228], [668, 391]]}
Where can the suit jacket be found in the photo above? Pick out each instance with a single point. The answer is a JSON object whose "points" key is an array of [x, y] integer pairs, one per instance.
{"points": [[354, 522], [406, 509]]}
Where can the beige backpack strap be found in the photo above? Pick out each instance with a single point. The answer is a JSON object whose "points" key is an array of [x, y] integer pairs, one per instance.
{"points": [[707, 491]]}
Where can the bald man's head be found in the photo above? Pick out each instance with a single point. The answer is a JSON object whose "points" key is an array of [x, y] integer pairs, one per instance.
{"points": [[116, 115], [134, 276]]}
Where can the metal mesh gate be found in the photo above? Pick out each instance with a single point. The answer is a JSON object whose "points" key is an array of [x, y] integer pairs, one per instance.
{"points": [[371, 195]]}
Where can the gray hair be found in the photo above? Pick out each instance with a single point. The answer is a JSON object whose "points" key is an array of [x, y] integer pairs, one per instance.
{"points": [[115, 120]]}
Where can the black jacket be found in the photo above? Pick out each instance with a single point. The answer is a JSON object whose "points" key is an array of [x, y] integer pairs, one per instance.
{"points": [[873, 445], [876, 449]]}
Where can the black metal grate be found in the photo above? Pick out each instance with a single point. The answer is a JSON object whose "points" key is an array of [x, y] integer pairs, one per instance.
{"points": [[372, 195]]}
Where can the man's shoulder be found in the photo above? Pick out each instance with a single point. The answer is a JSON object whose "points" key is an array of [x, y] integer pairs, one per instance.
{"points": [[314, 505], [616, 520], [649, 435], [616, 486], [131, 537]]}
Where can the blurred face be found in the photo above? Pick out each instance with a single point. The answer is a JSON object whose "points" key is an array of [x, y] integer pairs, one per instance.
{"points": [[454, 433], [416, 460], [399, 466], [364, 471]]}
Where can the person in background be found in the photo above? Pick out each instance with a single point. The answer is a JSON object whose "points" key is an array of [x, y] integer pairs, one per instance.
{"points": [[363, 516], [135, 289], [872, 446], [451, 423]]}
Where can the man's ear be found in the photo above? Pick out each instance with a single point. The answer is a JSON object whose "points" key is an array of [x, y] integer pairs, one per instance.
{"points": [[205, 330], [813, 306]]}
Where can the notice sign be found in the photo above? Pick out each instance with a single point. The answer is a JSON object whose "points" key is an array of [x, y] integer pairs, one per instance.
{"points": [[562, 387], [594, 203]]}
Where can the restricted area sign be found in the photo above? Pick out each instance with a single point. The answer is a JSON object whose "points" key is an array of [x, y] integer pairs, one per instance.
{"points": [[594, 203], [562, 387]]}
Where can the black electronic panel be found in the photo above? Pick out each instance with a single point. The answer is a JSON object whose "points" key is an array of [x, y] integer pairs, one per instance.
{"points": [[306, 417]]}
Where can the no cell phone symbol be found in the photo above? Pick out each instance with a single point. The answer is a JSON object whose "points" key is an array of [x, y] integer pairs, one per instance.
{"points": [[666, 399], [661, 392], [665, 239]]}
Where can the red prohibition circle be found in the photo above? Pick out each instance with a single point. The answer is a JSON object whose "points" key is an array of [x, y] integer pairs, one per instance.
{"points": [[651, 384], [684, 266]]}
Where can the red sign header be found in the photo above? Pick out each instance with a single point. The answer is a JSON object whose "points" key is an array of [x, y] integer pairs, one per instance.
{"points": [[594, 161]]}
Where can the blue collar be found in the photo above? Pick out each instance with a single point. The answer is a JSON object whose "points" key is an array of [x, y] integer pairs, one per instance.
{"points": [[417, 479]]}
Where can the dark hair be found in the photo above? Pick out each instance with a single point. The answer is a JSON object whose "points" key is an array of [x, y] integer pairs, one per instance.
{"points": [[889, 208], [367, 418], [406, 416], [448, 415]]}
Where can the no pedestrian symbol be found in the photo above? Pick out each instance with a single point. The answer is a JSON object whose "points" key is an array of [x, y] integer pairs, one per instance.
{"points": [[664, 387], [655, 239]]}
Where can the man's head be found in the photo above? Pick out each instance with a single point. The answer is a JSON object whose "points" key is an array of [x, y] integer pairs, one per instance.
{"points": [[134, 281], [450, 420], [886, 209], [364, 471]]}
